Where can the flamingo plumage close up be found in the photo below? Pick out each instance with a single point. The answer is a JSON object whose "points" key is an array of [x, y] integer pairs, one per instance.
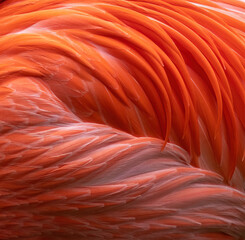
{"points": [[122, 119]]}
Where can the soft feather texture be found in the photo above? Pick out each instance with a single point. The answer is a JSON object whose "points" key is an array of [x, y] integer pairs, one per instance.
{"points": [[122, 119]]}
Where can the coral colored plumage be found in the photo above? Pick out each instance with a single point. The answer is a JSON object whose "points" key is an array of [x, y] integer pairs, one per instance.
{"points": [[122, 119]]}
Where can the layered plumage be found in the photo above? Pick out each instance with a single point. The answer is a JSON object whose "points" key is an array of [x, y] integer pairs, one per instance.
{"points": [[122, 119]]}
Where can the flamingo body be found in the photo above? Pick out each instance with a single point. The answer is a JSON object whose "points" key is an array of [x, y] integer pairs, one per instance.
{"points": [[122, 119]]}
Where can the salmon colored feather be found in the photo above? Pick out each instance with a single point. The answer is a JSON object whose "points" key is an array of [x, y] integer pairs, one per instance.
{"points": [[122, 119]]}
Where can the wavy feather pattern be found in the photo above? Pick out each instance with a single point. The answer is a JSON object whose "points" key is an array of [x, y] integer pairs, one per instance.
{"points": [[122, 119]]}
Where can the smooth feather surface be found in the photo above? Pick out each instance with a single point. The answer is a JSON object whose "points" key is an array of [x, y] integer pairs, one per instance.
{"points": [[122, 119]]}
